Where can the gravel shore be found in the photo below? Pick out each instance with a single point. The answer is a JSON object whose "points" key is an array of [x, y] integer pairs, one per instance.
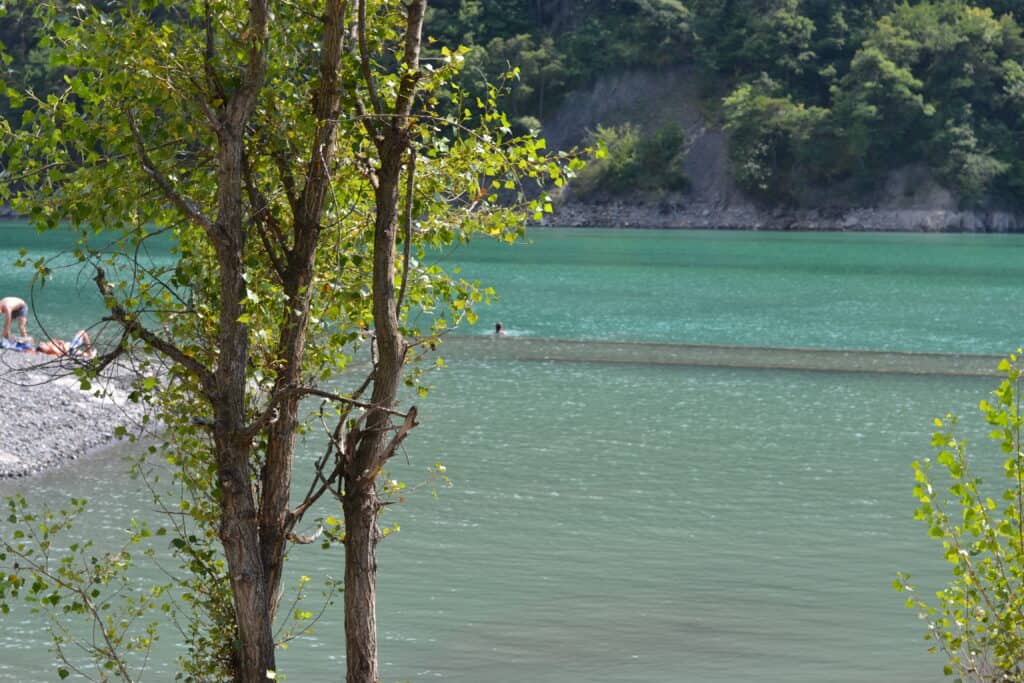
{"points": [[47, 420]]}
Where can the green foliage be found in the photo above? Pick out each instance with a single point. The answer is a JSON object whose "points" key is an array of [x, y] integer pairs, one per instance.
{"points": [[932, 75], [634, 162], [557, 46], [881, 86], [977, 620], [966, 166], [96, 608], [888, 83], [770, 135], [132, 149]]}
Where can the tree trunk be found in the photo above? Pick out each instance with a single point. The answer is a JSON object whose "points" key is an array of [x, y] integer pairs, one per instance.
{"points": [[239, 531], [361, 536], [254, 655], [360, 505], [360, 501], [276, 479]]}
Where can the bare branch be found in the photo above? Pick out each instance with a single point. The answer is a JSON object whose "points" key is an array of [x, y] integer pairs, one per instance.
{"points": [[305, 540], [282, 160], [268, 416], [320, 485], [410, 186], [364, 67], [131, 325], [187, 206], [386, 453], [399, 437], [263, 219]]}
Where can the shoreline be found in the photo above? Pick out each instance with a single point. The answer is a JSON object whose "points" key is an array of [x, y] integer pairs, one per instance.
{"points": [[681, 215], [49, 421], [676, 216]]}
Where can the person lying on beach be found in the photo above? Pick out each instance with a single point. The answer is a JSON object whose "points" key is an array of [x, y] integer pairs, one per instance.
{"points": [[79, 347], [13, 308]]}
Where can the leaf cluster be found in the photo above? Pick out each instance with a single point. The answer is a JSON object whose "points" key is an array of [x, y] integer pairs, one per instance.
{"points": [[634, 162], [977, 620]]}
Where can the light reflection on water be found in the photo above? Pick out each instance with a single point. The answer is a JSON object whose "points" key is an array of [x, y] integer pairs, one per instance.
{"points": [[657, 511], [629, 522]]}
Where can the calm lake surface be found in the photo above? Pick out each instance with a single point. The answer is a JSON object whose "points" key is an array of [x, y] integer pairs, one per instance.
{"points": [[625, 508]]}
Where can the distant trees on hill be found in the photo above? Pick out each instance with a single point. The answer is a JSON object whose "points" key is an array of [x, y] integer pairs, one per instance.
{"points": [[829, 91], [813, 92]]}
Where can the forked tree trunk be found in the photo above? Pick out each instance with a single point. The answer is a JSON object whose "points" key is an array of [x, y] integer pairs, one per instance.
{"points": [[239, 531], [391, 134], [360, 502]]}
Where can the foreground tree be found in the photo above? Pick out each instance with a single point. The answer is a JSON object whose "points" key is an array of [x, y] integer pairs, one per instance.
{"points": [[977, 620], [301, 157]]}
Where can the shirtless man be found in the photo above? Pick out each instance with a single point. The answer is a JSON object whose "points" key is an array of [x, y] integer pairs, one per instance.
{"points": [[13, 309]]}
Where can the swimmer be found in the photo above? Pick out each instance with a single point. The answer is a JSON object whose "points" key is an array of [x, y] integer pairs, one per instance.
{"points": [[499, 328]]}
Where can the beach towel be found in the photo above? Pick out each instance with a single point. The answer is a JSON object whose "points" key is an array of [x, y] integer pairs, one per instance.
{"points": [[13, 345]]}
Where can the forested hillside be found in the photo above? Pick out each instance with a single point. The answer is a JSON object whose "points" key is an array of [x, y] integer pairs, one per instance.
{"points": [[812, 93]]}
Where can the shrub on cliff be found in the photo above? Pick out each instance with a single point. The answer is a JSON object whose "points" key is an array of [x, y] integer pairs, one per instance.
{"points": [[636, 162]]}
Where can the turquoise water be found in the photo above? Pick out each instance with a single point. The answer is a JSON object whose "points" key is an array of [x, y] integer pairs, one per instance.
{"points": [[906, 292], [659, 511], [68, 299]]}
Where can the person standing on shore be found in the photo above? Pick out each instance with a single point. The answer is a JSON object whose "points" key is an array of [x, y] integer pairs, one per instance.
{"points": [[13, 309]]}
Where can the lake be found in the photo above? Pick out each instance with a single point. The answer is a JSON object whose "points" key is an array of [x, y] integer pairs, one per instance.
{"points": [[642, 489]]}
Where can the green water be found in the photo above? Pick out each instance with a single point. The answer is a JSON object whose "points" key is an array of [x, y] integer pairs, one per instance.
{"points": [[681, 509]]}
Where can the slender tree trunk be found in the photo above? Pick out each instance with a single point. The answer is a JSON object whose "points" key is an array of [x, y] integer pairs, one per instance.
{"points": [[239, 532], [276, 479], [361, 507], [361, 538], [360, 503]]}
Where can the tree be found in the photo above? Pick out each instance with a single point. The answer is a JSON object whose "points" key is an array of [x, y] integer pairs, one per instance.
{"points": [[978, 620], [779, 41], [768, 134], [301, 160], [634, 162]]}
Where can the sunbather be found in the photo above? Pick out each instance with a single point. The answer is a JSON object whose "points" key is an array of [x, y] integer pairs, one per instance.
{"points": [[79, 347]]}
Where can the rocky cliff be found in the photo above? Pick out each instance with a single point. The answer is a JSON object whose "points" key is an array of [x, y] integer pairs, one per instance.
{"points": [[908, 200]]}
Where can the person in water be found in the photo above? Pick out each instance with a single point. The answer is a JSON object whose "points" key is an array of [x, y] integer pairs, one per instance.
{"points": [[13, 309], [79, 347], [499, 328]]}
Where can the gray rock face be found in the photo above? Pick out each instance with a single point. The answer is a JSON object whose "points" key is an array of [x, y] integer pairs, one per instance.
{"points": [[48, 420], [909, 199]]}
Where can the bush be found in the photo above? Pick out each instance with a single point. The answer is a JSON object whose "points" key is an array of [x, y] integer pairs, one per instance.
{"points": [[977, 620], [635, 162]]}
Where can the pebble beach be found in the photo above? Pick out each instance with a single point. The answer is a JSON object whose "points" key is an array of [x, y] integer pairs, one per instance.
{"points": [[47, 420]]}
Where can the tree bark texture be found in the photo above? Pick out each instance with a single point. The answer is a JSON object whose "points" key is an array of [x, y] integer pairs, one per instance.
{"points": [[361, 507], [275, 520], [239, 531], [360, 501]]}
